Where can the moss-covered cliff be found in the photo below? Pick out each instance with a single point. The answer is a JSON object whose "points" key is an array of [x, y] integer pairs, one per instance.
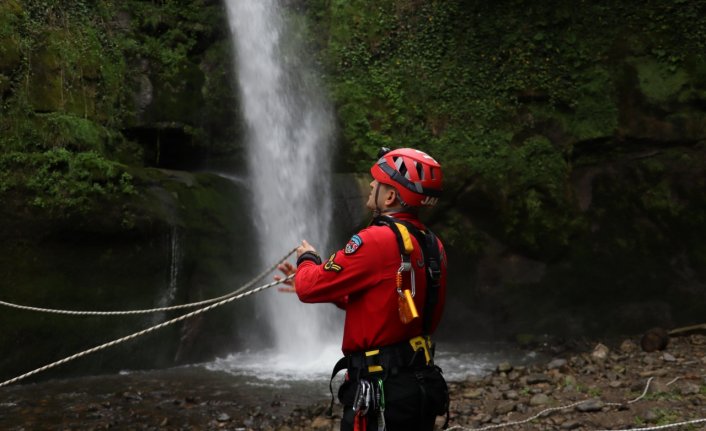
{"points": [[103, 107]]}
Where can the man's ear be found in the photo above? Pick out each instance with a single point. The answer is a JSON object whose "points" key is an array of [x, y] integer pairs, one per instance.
{"points": [[390, 196]]}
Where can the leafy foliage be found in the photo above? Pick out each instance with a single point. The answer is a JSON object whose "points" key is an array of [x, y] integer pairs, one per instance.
{"points": [[498, 92], [61, 182], [69, 72]]}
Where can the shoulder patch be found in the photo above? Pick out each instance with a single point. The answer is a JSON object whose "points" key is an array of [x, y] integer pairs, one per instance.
{"points": [[353, 245], [331, 265]]}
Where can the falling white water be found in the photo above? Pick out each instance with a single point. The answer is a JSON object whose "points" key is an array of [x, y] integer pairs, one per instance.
{"points": [[289, 135], [174, 264]]}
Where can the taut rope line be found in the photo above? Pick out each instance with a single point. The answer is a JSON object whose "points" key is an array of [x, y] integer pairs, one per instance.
{"points": [[150, 310], [144, 331]]}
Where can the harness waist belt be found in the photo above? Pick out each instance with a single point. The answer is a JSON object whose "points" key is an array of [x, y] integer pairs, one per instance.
{"points": [[414, 352]]}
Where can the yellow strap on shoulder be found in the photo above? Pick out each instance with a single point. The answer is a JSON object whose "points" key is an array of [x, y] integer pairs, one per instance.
{"points": [[406, 239]]}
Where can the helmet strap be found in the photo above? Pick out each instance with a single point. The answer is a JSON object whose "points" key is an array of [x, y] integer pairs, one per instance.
{"points": [[380, 211], [377, 211]]}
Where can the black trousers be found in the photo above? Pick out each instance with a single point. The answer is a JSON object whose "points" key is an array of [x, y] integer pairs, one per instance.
{"points": [[413, 399]]}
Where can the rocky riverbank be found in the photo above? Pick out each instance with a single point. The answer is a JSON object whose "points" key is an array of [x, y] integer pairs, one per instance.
{"points": [[617, 387], [590, 387]]}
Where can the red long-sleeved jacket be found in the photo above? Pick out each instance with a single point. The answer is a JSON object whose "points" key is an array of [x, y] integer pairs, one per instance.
{"points": [[360, 278]]}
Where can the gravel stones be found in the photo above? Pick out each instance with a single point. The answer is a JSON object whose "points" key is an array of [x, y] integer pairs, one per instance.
{"points": [[604, 387]]}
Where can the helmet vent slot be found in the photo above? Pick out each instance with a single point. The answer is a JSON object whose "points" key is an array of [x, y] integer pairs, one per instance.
{"points": [[420, 170], [401, 166]]}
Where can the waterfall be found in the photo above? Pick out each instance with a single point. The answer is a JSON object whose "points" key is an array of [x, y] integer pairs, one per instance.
{"points": [[175, 258], [174, 263], [289, 137]]}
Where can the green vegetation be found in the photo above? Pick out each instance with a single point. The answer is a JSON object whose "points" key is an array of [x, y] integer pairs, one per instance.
{"points": [[672, 396], [501, 92], [591, 391], [63, 182], [76, 75], [667, 417]]}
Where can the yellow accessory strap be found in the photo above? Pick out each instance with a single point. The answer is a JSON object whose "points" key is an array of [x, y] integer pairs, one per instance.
{"points": [[373, 368], [423, 343], [406, 240]]}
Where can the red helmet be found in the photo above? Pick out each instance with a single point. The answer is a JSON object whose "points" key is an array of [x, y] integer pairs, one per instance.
{"points": [[413, 173]]}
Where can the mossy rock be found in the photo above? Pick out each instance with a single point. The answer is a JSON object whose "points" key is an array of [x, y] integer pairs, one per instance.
{"points": [[46, 82], [170, 94], [659, 81], [10, 56], [66, 70], [78, 272], [187, 233], [10, 60], [220, 113]]}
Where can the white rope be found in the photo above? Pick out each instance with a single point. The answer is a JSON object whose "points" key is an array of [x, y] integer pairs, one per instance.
{"points": [[644, 392], [662, 427], [150, 310], [673, 380], [530, 419], [552, 409], [144, 331]]}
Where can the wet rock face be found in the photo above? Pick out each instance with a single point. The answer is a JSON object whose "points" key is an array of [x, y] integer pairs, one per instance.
{"points": [[633, 261], [184, 96], [181, 246], [10, 53], [614, 252]]}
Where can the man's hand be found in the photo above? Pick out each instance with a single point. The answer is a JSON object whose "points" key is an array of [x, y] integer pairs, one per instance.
{"points": [[287, 269], [304, 248]]}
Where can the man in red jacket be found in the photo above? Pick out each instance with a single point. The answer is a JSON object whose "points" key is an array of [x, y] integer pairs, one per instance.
{"points": [[391, 280]]}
